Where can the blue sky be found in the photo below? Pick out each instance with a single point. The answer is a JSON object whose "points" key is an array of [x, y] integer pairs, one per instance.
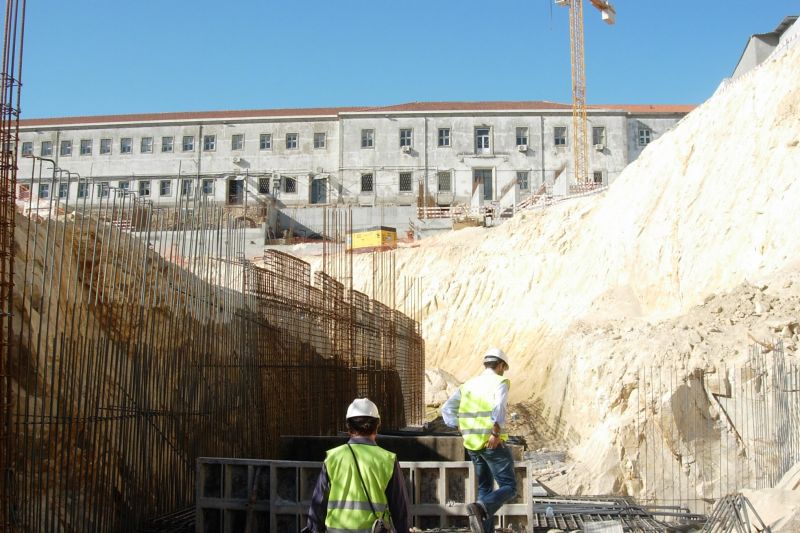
{"points": [[87, 57]]}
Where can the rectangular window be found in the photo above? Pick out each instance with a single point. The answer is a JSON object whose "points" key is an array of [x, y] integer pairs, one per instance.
{"points": [[124, 185], [265, 141], [86, 147], [291, 141], [598, 136], [523, 180], [146, 146], [83, 190], [46, 148], [126, 145], [367, 184], [367, 138], [103, 189], [522, 136], [165, 188], [598, 177], [237, 141], [405, 182], [167, 144], [319, 140], [289, 184], [105, 146], [406, 137], [263, 185], [66, 148], [27, 148], [444, 182], [444, 137], [188, 143], [63, 190], [208, 187], [144, 188], [560, 135], [186, 187], [482, 140], [644, 136], [44, 191], [209, 143]]}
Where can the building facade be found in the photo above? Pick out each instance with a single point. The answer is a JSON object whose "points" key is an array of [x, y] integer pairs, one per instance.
{"points": [[442, 154]]}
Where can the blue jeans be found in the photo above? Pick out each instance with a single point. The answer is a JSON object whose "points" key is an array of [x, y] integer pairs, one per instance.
{"points": [[490, 466]]}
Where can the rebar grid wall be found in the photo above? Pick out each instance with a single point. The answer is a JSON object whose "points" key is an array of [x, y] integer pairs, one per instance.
{"points": [[10, 89], [143, 340], [715, 431]]}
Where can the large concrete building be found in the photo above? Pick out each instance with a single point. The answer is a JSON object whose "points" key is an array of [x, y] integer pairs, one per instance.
{"points": [[448, 153]]}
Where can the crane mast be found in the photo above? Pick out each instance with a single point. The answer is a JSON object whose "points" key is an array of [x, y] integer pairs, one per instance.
{"points": [[580, 126]]}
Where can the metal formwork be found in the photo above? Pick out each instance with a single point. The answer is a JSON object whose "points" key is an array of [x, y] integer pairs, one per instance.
{"points": [[273, 496]]}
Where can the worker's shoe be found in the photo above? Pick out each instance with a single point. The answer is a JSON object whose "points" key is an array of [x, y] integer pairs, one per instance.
{"points": [[477, 516]]}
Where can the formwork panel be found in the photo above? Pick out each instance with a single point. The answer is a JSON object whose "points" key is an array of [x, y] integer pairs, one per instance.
{"points": [[280, 494]]}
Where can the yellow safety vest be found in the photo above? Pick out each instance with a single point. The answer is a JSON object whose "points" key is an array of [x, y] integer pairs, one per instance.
{"points": [[475, 410], [348, 507]]}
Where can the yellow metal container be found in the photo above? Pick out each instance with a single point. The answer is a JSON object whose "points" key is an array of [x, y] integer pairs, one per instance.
{"points": [[372, 239]]}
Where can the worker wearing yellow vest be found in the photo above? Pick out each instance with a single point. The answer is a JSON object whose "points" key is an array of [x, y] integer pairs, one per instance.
{"points": [[360, 481], [478, 409]]}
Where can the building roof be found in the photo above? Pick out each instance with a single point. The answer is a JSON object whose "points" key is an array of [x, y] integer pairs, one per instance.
{"points": [[333, 112]]}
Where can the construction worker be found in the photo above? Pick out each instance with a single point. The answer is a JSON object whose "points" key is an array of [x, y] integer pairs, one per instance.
{"points": [[478, 409], [360, 481]]}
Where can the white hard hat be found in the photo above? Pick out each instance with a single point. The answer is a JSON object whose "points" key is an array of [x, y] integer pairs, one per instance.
{"points": [[494, 354], [362, 407]]}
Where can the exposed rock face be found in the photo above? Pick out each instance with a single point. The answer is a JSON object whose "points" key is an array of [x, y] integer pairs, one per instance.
{"points": [[691, 256], [439, 386]]}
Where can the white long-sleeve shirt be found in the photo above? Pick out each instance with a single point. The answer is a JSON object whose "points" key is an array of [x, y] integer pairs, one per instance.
{"points": [[450, 407]]}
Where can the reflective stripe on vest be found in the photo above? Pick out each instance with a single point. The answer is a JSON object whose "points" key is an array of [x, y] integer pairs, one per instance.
{"points": [[475, 410], [348, 508]]}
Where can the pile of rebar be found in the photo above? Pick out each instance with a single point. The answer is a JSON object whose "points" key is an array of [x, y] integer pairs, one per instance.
{"points": [[735, 514]]}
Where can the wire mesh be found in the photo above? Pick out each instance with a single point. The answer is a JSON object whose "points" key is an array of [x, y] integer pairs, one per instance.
{"points": [[715, 431]]}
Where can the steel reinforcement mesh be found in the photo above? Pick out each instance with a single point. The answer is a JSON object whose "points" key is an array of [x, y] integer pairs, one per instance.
{"points": [[140, 345]]}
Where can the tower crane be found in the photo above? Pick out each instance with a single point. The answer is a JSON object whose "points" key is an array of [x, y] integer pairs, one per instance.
{"points": [[579, 121]]}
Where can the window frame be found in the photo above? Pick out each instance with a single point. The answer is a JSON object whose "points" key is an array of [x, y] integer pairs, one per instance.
{"points": [[563, 138], [287, 183], [363, 189], [439, 176], [320, 135], [187, 140], [63, 188], [104, 189], [367, 138], [141, 187], [83, 190], [122, 145], [261, 188], [49, 152], [441, 138], [237, 146], [106, 145], [295, 138], [410, 177], [29, 146], [161, 187], [65, 148], [521, 135], [265, 141], [207, 191], [407, 137], [478, 137], [167, 148], [644, 134], [595, 175], [524, 177], [210, 142], [43, 188], [601, 138], [142, 145], [125, 185], [186, 187]]}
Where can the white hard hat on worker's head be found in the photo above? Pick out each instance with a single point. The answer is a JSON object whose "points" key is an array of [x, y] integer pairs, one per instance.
{"points": [[362, 407], [495, 354]]}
